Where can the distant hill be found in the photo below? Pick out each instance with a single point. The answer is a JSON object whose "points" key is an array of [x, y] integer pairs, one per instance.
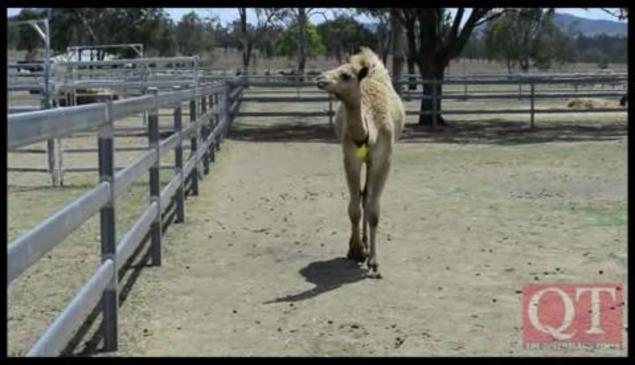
{"points": [[588, 27]]}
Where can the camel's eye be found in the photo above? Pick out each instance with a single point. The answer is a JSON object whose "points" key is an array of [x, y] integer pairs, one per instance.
{"points": [[345, 77]]}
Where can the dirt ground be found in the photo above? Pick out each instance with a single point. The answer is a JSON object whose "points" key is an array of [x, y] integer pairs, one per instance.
{"points": [[470, 214]]}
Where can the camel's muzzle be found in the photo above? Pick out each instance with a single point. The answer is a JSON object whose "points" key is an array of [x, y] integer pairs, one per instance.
{"points": [[321, 82]]}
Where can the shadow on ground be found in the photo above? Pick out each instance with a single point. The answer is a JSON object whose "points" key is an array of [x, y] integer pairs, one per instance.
{"points": [[326, 276], [284, 132], [498, 131], [487, 131], [83, 343]]}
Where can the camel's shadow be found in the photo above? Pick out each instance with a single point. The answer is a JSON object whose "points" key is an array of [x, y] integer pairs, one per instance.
{"points": [[326, 275]]}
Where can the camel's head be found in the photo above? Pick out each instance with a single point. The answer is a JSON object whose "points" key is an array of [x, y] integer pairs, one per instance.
{"points": [[343, 81]]}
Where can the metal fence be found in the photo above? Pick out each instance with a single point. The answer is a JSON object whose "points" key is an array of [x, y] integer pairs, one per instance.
{"points": [[572, 86], [206, 130], [127, 77]]}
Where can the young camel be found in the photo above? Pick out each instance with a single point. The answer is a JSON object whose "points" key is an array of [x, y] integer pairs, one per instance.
{"points": [[368, 121]]}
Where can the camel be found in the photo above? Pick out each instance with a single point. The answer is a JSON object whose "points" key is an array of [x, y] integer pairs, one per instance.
{"points": [[368, 121]]}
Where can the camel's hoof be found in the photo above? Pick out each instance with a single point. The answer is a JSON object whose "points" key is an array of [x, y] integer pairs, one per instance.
{"points": [[374, 275], [356, 255], [373, 269]]}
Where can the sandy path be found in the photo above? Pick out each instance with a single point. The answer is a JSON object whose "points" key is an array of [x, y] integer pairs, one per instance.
{"points": [[258, 269]]}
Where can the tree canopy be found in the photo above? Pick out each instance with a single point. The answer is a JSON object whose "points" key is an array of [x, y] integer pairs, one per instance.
{"points": [[286, 45], [345, 35]]}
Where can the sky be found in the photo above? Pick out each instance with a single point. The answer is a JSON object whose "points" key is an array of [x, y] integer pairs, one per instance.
{"points": [[227, 15]]}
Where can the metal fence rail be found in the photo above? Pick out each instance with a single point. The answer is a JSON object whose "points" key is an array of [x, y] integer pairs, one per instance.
{"points": [[124, 107], [207, 131], [528, 80]]}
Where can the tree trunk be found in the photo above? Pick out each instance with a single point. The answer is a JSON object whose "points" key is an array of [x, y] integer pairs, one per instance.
{"points": [[412, 85], [434, 68], [387, 45], [302, 41], [244, 38], [524, 65], [398, 51]]}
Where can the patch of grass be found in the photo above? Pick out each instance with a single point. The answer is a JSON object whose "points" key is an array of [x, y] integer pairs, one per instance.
{"points": [[610, 214]]}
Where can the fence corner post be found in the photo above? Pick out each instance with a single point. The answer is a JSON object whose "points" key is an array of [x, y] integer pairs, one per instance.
{"points": [[204, 129], [178, 162], [155, 184], [434, 103], [110, 296], [531, 119], [194, 144], [227, 117]]}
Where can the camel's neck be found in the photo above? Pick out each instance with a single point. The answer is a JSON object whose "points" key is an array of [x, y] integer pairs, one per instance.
{"points": [[355, 124]]}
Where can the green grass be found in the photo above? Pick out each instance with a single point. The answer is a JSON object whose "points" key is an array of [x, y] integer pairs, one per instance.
{"points": [[608, 214]]}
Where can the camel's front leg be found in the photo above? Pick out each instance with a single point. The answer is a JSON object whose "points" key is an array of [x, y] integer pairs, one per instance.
{"points": [[352, 166], [375, 181], [365, 215]]}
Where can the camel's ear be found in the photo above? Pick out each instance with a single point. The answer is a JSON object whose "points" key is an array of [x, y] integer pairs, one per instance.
{"points": [[362, 73]]}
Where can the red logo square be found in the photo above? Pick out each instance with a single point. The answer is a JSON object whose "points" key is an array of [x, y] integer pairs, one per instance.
{"points": [[573, 313]]}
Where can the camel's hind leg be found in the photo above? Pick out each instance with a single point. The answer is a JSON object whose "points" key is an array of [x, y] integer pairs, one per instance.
{"points": [[375, 181], [365, 216], [353, 168]]}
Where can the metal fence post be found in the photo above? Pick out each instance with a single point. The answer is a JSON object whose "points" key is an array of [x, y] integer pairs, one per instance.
{"points": [[465, 85], [50, 151], [575, 87], [194, 147], [205, 134], [178, 162], [217, 116], [212, 109], [531, 120], [434, 103], [155, 183], [110, 296], [226, 111], [60, 161], [330, 111]]}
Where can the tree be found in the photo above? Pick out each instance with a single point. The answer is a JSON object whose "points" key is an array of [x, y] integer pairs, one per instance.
{"points": [[526, 35], [166, 42], [383, 30], [266, 43], [191, 35], [345, 35], [475, 48], [434, 39], [300, 16], [619, 13], [287, 44], [228, 37], [27, 37], [398, 48], [250, 35], [86, 26]]}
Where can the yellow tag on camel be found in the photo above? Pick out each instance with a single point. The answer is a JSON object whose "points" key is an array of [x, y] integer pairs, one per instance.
{"points": [[362, 151]]}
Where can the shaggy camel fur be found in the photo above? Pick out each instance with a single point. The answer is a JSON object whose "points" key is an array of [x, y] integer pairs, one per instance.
{"points": [[368, 121]]}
